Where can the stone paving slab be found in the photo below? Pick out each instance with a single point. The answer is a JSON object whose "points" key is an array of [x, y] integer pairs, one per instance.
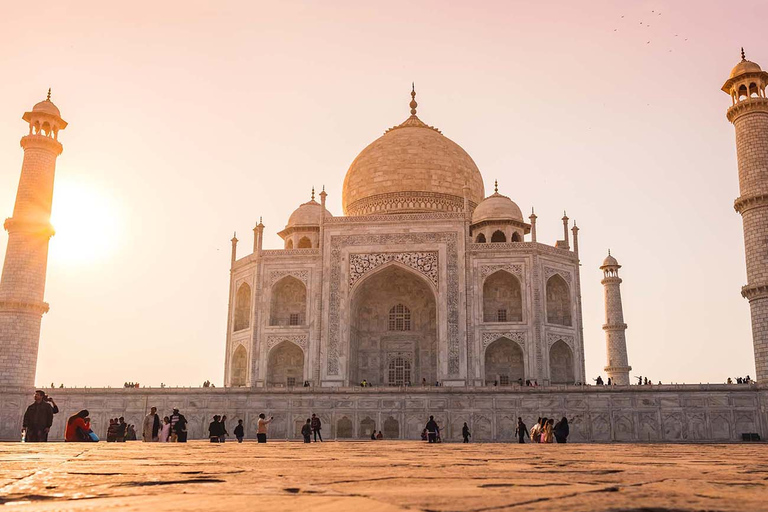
{"points": [[382, 476]]}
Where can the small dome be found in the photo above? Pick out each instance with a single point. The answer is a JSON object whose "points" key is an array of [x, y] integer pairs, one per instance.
{"points": [[47, 107], [610, 261], [497, 207], [308, 214], [745, 66]]}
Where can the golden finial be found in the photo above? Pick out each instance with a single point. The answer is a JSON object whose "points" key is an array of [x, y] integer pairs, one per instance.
{"points": [[313, 192], [413, 103], [495, 186], [743, 57], [49, 95], [609, 252]]}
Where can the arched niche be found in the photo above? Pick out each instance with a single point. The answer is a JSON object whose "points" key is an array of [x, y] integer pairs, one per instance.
{"points": [[516, 237], [561, 363], [285, 365], [502, 298], [238, 368], [391, 428], [289, 244], [243, 307], [305, 243], [558, 301], [480, 239], [504, 362], [288, 305], [498, 236], [376, 338]]}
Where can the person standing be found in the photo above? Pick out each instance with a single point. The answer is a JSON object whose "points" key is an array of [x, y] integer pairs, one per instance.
{"points": [[521, 431], [122, 430], [432, 430], [239, 431], [178, 427], [546, 431], [150, 429], [38, 418], [562, 430], [214, 429], [316, 426], [261, 429], [306, 431], [165, 430], [224, 433], [465, 432]]}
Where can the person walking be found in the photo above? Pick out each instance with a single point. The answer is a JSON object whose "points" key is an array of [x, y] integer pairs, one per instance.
{"points": [[179, 428], [165, 430], [546, 431], [306, 431], [316, 426], [521, 431], [432, 430], [562, 430], [465, 432], [38, 418], [535, 434], [261, 429], [224, 433], [239, 431], [214, 429], [150, 429]]}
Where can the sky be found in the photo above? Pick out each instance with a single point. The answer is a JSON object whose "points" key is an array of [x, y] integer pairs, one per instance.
{"points": [[190, 120]]}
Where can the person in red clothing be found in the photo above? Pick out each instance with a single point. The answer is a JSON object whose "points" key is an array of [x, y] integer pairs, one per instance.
{"points": [[77, 428]]}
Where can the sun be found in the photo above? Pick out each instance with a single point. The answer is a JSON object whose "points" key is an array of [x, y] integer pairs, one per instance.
{"points": [[86, 220]]}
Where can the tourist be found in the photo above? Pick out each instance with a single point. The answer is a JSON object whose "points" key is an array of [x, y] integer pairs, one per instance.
{"points": [[535, 434], [165, 430], [306, 383], [239, 431], [131, 433], [640, 381], [561, 430], [38, 418], [306, 431], [432, 430], [179, 427], [609, 382], [729, 381], [373, 435], [316, 426], [521, 431], [424, 435], [598, 380], [121, 431], [261, 430], [520, 382], [224, 433], [546, 432], [424, 382], [214, 429], [78, 430], [465, 432], [151, 427], [380, 436], [112, 430]]}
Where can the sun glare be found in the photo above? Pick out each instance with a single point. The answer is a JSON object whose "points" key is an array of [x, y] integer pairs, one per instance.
{"points": [[86, 221]]}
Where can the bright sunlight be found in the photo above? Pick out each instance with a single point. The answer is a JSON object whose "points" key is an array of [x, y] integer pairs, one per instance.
{"points": [[86, 221]]}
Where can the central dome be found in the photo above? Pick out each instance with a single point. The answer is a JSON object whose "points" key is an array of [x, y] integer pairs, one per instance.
{"points": [[411, 168]]}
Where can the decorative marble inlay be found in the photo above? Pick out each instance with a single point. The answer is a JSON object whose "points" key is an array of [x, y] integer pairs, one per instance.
{"points": [[276, 275], [490, 337], [423, 262], [553, 338], [339, 242], [486, 270], [549, 272], [298, 339]]}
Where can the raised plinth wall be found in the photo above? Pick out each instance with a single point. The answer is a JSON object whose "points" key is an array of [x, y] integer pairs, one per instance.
{"points": [[673, 413]]}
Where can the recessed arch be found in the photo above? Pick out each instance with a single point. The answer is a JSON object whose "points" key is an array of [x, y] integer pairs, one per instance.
{"points": [[498, 236], [305, 243], [561, 363], [239, 366], [480, 239], [502, 298], [558, 301], [516, 237], [504, 362], [288, 304], [285, 365], [289, 244], [242, 307]]}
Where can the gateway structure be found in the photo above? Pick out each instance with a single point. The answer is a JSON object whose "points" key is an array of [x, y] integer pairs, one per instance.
{"points": [[423, 281]]}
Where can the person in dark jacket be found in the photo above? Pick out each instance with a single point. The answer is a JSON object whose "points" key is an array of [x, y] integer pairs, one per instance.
{"points": [[180, 428], [432, 430], [306, 431], [465, 432], [224, 433], [316, 426], [215, 430], [122, 430], [38, 418], [239, 431], [562, 430], [521, 431]]}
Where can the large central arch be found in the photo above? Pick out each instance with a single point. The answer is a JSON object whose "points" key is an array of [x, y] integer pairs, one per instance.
{"points": [[393, 329]]}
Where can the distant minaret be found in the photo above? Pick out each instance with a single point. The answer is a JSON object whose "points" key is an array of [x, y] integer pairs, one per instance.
{"points": [[615, 338], [749, 115], [23, 280]]}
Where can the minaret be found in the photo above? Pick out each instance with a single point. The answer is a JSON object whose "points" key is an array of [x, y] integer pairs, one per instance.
{"points": [[29, 230], [749, 115], [615, 338]]}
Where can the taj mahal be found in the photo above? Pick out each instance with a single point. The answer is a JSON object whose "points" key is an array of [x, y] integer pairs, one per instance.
{"points": [[438, 297]]}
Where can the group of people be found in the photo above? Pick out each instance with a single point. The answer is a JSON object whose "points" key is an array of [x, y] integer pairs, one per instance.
{"points": [[741, 380], [377, 436], [544, 431], [131, 385], [119, 431], [208, 384], [171, 429]]}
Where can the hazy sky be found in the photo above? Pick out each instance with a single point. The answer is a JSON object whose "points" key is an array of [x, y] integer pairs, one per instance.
{"points": [[189, 120]]}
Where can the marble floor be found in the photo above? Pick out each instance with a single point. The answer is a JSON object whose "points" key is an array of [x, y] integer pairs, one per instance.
{"points": [[381, 476]]}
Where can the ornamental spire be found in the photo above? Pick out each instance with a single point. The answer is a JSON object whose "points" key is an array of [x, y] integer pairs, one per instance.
{"points": [[495, 186], [49, 93], [743, 57], [413, 103], [313, 192]]}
